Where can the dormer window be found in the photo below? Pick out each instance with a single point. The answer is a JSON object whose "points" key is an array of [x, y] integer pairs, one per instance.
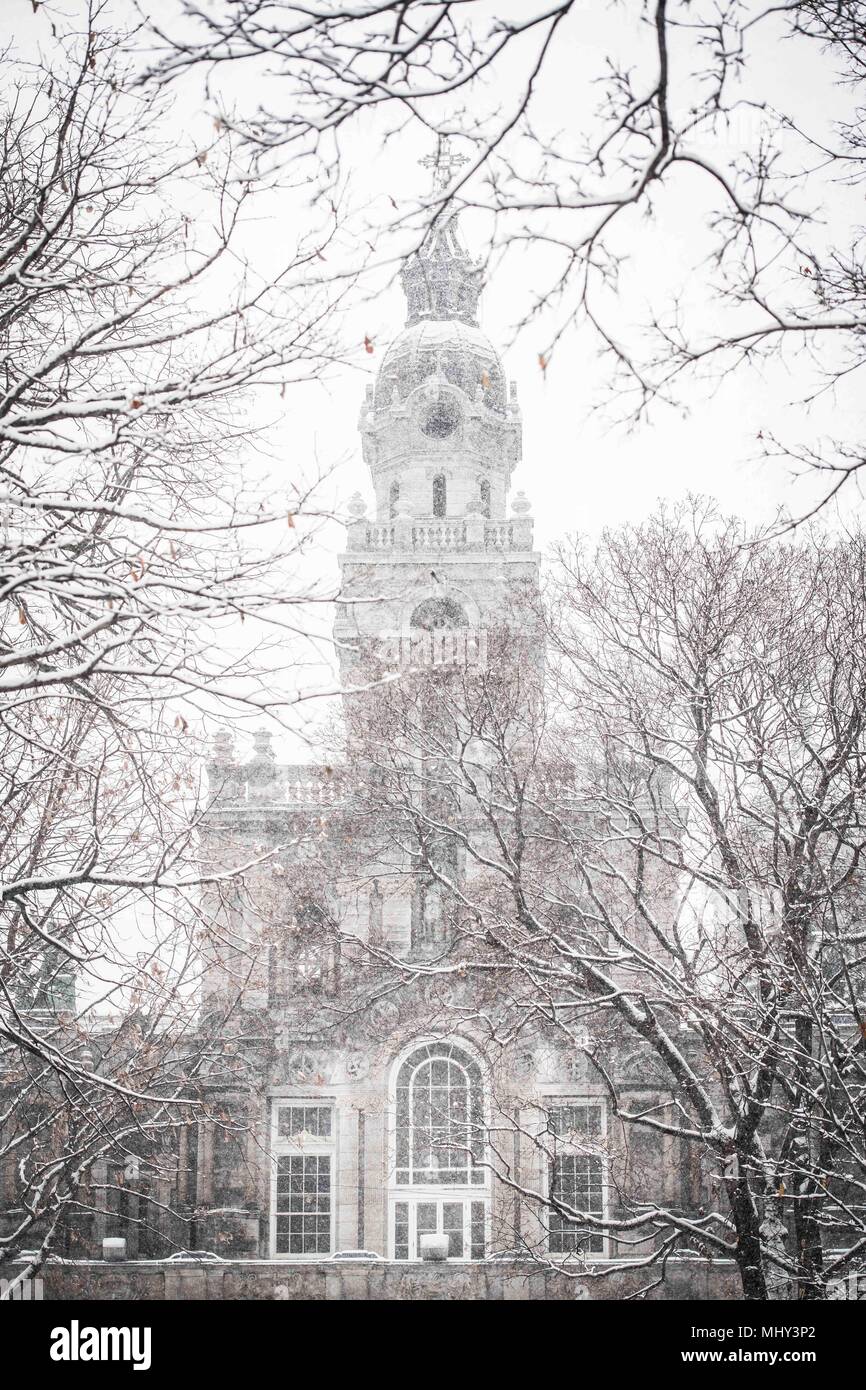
{"points": [[440, 495]]}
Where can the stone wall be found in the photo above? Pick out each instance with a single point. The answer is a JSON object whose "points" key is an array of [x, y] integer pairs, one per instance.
{"points": [[380, 1281]]}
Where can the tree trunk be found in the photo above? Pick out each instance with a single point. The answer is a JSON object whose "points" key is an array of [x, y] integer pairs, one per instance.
{"points": [[749, 1253]]}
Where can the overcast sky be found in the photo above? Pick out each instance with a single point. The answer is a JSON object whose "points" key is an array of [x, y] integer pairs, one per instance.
{"points": [[580, 469]]}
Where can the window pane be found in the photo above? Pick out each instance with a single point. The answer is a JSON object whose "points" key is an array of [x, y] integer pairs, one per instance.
{"points": [[303, 1204], [576, 1180], [478, 1243], [452, 1227], [578, 1119], [439, 1129], [297, 1120], [401, 1231], [426, 1222]]}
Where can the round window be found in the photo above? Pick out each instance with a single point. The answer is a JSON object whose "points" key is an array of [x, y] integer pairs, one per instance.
{"points": [[441, 418]]}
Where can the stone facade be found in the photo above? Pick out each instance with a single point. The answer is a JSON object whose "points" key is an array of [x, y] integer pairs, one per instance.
{"points": [[145, 1280]]}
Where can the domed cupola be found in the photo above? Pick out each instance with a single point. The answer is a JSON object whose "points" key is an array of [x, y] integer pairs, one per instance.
{"points": [[441, 435], [450, 349]]}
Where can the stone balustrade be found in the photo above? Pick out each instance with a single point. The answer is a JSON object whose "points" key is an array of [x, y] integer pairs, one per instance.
{"points": [[308, 786], [304, 786], [457, 536]]}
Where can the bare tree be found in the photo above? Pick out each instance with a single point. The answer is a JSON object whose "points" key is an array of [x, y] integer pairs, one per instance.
{"points": [[651, 857], [135, 346], [681, 121]]}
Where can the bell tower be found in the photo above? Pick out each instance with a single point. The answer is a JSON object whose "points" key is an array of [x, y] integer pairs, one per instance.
{"points": [[443, 559]]}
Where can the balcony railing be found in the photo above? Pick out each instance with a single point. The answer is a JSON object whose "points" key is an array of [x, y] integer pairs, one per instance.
{"points": [[469, 534], [304, 786]]}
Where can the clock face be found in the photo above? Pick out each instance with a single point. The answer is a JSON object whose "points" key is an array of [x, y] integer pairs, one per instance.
{"points": [[441, 418]]}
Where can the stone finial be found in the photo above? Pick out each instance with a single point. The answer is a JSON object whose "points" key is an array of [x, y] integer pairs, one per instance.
{"points": [[357, 507], [223, 749], [260, 772], [521, 522], [263, 750]]}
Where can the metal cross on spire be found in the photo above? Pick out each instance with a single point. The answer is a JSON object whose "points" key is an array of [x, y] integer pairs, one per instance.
{"points": [[444, 163]]}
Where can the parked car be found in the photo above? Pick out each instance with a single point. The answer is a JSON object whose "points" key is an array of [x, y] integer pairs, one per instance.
{"points": [[195, 1255]]}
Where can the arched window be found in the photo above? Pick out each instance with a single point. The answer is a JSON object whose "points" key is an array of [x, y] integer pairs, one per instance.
{"points": [[436, 613], [440, 1118], [440, 495], [394, 498], [485, 498]]}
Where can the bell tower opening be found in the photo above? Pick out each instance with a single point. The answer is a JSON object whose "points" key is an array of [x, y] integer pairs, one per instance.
{"points": [[440, 496]]}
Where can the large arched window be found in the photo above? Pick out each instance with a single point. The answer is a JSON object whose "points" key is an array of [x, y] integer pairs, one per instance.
{"points": [[439, 1118], [394, 498], [440, 495], [484, 498]]}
